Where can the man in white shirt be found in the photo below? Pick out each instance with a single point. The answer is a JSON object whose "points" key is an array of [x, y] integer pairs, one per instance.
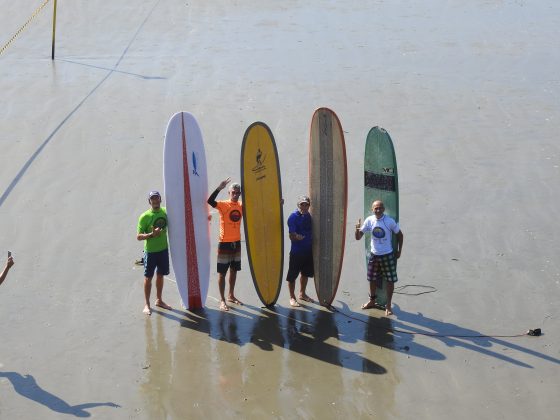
{"points": [[382, 260]]}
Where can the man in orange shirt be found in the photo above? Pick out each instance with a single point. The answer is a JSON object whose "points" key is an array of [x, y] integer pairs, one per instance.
{"points": [[229, 246]]}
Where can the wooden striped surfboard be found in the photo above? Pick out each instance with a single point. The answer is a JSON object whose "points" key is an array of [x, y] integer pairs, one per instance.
{"points": [[328, 188]]}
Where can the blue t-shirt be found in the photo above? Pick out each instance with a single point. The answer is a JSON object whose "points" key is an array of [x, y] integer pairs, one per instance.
{"points": [[301, 224]]}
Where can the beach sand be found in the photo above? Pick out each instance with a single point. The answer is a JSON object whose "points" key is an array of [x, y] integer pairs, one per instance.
{"points": [[469, 93]]}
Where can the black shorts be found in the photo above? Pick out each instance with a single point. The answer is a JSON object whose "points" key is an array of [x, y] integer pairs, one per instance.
{"points": [[153, 260], [300, 263]]}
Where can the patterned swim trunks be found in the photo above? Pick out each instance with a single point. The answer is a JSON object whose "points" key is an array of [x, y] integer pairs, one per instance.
{"points": [[382, 266], [229, 255]]}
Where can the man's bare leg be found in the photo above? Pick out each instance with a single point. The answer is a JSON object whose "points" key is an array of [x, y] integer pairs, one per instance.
{"points": [[390, 289], [303, 285], [147, 290], [292, 288], [371, 302], [231, 296], [222, 289], [159, 290]]}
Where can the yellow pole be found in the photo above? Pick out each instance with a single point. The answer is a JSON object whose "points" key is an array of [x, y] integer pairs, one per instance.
{"points": [[53, 30]]}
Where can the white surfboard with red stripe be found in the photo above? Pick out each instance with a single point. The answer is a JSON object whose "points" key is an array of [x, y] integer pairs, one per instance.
{"points": [[185, 180]]}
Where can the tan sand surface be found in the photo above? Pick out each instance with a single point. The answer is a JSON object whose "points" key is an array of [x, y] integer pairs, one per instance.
{"points": [[469, 92]]}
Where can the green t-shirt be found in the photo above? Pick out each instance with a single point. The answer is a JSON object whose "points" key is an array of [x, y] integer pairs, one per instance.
{"points": [[146, 223]]}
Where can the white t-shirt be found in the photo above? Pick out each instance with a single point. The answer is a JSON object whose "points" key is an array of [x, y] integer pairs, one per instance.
{"points": [[381, 229]]}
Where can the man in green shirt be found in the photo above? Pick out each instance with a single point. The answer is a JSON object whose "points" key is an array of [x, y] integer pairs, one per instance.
{"points": [[152, 228]]}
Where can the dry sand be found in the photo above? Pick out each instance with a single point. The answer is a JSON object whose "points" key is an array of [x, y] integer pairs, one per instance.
{"points": [[469, 92]]}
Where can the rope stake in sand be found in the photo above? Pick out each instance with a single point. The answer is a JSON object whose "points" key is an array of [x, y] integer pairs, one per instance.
{"points": [[533, 332], [53, 30], [22, 28]]}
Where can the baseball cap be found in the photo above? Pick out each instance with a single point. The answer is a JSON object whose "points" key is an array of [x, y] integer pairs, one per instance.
{"points": [[303, 199], [154, 194]]}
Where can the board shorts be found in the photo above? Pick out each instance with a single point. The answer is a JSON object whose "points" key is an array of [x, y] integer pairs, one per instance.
{"points": [[229, 256], [382, 266], [153, 260], [300, 263]]}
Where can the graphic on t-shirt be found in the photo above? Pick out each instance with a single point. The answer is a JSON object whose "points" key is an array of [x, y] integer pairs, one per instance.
{"points": [[235, 216], [378, 232], [160, 222]]}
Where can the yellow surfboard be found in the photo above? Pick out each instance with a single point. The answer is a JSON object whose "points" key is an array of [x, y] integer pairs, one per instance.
{"points": [[262, 211]]}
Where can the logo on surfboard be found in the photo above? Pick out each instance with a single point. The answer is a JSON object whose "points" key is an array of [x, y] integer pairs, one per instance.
{"points": [[194, 171], [384, 181], [260, 166]]}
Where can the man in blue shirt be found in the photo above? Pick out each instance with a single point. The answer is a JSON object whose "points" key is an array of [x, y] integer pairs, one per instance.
{"points": [[301, 254]]}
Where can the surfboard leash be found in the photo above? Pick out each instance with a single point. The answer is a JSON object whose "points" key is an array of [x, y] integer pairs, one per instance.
{"points": [[532, 332], [431, 289]]}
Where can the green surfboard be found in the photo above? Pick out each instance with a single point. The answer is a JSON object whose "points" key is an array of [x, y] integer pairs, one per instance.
{"points": [[381, 182]]}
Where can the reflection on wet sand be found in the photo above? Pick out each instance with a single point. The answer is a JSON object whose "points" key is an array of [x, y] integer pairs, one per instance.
{"points": [[193, 375], [316, 334], [314, 385], [269, 362], [228, 363], [370, 337], [157, 366], [264, 367]]}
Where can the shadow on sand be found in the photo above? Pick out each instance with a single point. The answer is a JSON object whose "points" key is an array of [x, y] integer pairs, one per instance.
{"points": [[404, 327], [309, 332], [314, 332], [26, 386], [408, 324]]}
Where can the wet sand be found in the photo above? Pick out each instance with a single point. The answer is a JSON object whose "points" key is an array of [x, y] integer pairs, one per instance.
{"points": [[469, 93]]}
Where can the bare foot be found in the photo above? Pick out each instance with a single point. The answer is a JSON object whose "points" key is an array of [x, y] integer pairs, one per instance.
{"points": [[369, 304], [162, 304], [147, 310], [223, 306], [306, 298], [388, 312], [294, 303], [233, 299]]}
